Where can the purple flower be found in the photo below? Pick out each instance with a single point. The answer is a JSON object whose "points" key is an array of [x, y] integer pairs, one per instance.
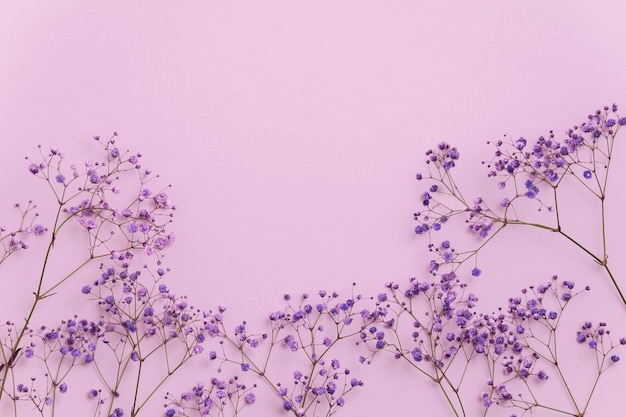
{"points": [[39, 230], [417, 354], [161, 200], [531, 189], [355, 382], [291, 343], [94, 178], [486, 400], [331, 387], [34, 169]]}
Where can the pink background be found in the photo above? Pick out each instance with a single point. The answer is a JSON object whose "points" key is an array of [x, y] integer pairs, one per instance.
{"points": [[292, 132]]}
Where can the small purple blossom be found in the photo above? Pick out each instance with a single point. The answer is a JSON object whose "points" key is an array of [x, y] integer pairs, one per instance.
{"points": [[291, 342], [33, 168]]}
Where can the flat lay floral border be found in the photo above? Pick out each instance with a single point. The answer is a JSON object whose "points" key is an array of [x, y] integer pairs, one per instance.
{"points": [[136, 331]]}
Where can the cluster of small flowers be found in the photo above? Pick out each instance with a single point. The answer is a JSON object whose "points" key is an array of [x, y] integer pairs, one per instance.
{"points": [[217, 398], [447, 256], [30, 393], [426, 324], [307, 316], [74, 338], [434, 327], [307, 331], [598, 338], [583, 153], [439, 208], [481, 218], [523, 334], [523, 341], [431, 325], [90, 195], [118, 225], [443, 201], [132, 329], [146, 318], [13, 240], [326, 388], [435, 210], [148, 309], [443, 157], [59, 349]]}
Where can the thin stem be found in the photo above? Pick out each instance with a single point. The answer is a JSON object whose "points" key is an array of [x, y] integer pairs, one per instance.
{"points": [[445, 393], [133, 410], [38, 297], [603, 214], [601, 262]]}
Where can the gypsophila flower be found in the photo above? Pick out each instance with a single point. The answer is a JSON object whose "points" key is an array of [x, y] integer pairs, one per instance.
{"points": [[432, 326]]}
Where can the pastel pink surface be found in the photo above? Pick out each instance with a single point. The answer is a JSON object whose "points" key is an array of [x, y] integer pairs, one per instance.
{"points": [[292, 133]]}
